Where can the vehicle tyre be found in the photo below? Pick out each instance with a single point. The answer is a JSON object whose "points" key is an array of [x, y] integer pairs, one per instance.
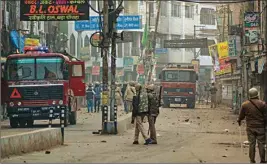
{"points": [[73, 117], [191, 105], [66, 119], [13, 123], [30, 123], [22, 123]]}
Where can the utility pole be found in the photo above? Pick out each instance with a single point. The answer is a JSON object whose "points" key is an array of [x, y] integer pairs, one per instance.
{"points": [[113, 31], [195, 54], [104, 54], [265, 77]]}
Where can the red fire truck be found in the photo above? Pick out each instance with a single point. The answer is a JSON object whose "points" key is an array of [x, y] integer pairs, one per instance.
{"points": [[39, 81], [178, 85]]}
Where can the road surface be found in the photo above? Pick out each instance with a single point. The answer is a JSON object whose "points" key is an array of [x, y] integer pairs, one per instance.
{"points": [[200, 135]]}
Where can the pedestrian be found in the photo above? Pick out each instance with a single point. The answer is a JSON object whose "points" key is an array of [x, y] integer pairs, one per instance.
{"points": [[254, 110], [140, 110], [213, 91], [118, 95], [98, 91], [123, 91], [90, 93], [153, 109], [128, 97]]}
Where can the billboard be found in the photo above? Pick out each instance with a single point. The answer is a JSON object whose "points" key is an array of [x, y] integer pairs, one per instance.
{"points": [[54, 10], [186, 43]]}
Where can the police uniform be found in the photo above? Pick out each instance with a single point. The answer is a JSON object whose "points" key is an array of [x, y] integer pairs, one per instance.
{"points": [[153, 106], [254, 110], [140, 110]]}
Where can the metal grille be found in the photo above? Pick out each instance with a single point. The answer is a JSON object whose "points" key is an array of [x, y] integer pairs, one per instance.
{"points": [[178, 90], [35, 103], [42, 93]]}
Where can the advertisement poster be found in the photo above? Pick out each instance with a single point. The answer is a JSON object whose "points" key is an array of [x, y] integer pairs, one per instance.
{"points": [[251, 19], [213, 50], [54, 10], [223, 50], [128, 63]]}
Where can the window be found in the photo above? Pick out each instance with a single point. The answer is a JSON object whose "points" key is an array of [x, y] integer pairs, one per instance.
{"points": [[86, 41], [20, 69], [39, 25], [49, 68], [72, 45], [119, 50], [207, 16], [162, 38], [189, 11], [180, 76], [205, 51], [77, 71], [164, 9], [126, 49], [176, 10]]}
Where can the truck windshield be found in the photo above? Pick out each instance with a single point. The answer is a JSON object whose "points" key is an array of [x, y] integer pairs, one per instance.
{"points": [[40, 68], [179, 76]]}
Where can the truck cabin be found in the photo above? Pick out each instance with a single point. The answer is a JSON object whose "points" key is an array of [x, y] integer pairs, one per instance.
{"points": [[178, 73]]}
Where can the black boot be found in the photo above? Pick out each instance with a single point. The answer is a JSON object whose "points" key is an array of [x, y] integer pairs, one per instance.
{"points": [[135, 142]]}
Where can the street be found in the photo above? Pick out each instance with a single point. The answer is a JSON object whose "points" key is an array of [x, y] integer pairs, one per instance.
{"points": [[200, 135]]}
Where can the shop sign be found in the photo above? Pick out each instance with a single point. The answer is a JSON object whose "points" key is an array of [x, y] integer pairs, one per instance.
{"points": [[232, 46], [128, 63], [54, 10], [96, 70], [251, 19]]}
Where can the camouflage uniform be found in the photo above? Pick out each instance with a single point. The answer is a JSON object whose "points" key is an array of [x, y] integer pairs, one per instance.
{"points": [[140, 110], [255, 126], [213, 91], [153, 104]]}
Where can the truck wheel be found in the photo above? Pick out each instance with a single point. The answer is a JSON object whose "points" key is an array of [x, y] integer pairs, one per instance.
{"points": [[66, 120], [30, 123], [13, 123], [73, 117], [22, 123], [191, 105]]}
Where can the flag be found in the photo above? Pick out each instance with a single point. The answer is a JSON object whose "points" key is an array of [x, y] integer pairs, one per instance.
{"points": [[145, 36]]}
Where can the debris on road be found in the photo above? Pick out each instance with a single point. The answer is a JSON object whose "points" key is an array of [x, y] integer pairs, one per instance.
{"points": [[198, 117], [47, 152], [186, 120], [103, 141], [224, 156], [226, 130], [173, 150]]}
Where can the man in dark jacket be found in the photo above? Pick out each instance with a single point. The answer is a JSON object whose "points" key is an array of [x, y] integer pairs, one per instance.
{"points": [[153, 110], [254, 110], [140, 110], [98, 91], [90, 98]]}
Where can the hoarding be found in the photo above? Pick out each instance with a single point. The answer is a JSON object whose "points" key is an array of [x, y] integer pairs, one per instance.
{"points": [[54, 10], [186, 43]]}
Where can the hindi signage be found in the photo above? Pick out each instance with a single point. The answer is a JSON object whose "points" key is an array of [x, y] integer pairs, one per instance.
{"points": [[54, 10], [186, 43]]}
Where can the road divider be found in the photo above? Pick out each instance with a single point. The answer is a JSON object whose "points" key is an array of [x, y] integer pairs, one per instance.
{"points": [[31, 141]]}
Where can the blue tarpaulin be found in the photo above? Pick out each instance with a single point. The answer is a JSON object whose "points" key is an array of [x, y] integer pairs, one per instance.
{"points": [[14, 37]]}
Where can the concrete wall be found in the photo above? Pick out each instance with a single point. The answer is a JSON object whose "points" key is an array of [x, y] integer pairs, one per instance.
{"points": [[30, 141]]}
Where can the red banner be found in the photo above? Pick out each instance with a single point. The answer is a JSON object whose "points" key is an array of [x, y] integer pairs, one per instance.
{"points": [[96, 70]]}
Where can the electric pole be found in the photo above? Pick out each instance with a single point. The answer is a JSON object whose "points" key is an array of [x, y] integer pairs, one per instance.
{"points": [[104, 54], [265, 77]]}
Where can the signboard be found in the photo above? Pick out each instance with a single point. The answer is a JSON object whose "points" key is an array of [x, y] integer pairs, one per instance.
{"points": [[96, 39], [223, 50], [96, 70], [161, 51], [31, 42], [85, 53], [251, 19], [251, 36], [128, 63], [124, 22], [232, 46], [54, 10], [140, 69], [186, 43]]}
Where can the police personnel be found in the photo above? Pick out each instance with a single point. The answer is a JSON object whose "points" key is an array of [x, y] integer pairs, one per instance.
{"points": [[254, 110], [213, 91], [153, 111]]}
